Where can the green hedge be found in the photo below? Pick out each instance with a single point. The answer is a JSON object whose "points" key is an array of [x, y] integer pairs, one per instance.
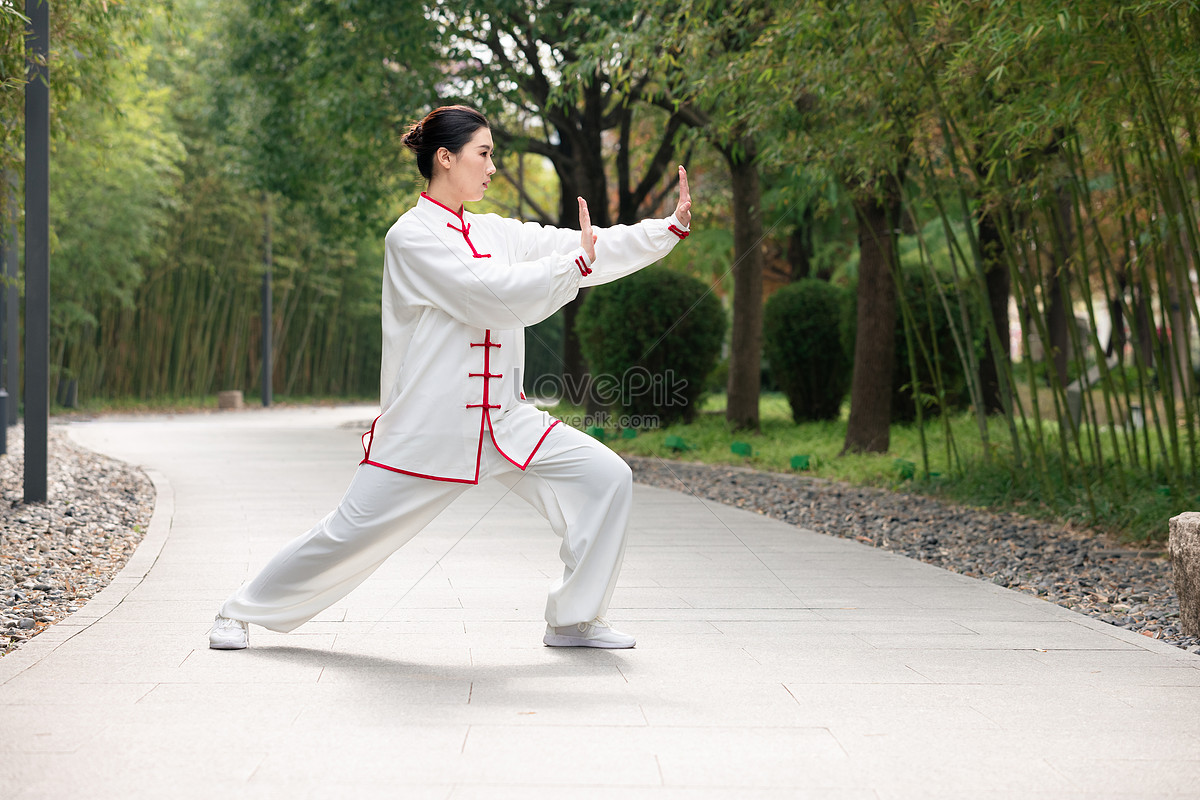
{"points": [[650, 340], [802, 341]]}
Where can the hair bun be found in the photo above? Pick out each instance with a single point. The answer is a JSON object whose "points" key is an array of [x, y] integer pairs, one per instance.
{"points": [[415, 136]]}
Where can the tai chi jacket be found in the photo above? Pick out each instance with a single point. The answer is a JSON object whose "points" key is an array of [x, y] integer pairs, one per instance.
{"points": [[458, 291]]}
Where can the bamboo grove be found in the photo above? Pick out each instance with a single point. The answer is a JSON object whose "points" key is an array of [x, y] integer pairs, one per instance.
{"points": [[1066, 139]]}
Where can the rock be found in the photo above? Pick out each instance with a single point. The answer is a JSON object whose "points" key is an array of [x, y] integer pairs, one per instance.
{"points": [[231, 400], [26, 624], [1184, 546]]}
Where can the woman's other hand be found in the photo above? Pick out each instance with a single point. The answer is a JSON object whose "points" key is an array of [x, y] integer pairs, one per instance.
{"points": [[587, 239], [683, 211]]}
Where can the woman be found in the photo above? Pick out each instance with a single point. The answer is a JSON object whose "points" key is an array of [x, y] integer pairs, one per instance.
{"points": [[458, 291]]}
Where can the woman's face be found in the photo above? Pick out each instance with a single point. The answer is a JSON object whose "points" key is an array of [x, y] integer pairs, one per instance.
{"points": [[470, 170]]}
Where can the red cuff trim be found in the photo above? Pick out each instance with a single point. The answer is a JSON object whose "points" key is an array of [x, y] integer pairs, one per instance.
{"points": [[680, 233], [584, 269]]}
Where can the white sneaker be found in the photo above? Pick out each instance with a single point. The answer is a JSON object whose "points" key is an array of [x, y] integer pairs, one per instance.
{"points": [[597, 633], [228, 634]]}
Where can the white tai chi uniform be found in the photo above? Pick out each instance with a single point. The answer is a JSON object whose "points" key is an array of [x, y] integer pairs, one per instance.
{"points": [[458, 291]]}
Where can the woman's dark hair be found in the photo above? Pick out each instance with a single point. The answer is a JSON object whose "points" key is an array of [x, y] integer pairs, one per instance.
{"points": [[451, 127]]}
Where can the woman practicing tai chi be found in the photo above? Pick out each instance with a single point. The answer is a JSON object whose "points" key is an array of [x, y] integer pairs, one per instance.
{"points": [[458, 291]]}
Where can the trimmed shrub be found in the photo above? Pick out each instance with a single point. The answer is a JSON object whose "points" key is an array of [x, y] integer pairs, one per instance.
{"points": [[544, 356], [650, 340], [803, 342]]}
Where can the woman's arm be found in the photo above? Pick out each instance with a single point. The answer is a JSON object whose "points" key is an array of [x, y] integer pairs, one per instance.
{"points": [[624, 249], [478, 292], [619, 249]]}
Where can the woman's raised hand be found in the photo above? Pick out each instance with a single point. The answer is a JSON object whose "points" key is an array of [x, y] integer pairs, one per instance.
{"points": [[683, 211], [587, 239]]}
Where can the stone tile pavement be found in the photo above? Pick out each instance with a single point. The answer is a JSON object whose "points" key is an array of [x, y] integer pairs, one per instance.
{"points": [[771, 662]]}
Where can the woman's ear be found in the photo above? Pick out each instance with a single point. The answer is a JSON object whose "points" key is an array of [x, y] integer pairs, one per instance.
{"points": [[442, 156]]}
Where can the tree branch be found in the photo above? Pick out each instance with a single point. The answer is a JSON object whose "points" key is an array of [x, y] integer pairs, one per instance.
{"points": [[655, 169], [623, 159], [542, 216], [657, 202]]}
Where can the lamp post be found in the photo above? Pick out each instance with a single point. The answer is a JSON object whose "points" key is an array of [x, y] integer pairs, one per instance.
{"points": [[11, 298], [37, 251], [267, 367]]}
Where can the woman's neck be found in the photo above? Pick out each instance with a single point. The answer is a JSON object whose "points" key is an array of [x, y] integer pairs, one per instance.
{"points": [[441, 195]]}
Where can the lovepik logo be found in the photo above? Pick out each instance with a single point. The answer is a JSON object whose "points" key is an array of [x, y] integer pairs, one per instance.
{"points": [[664, 389]]}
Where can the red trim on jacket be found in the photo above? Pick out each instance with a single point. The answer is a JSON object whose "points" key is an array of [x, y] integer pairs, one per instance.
{"points": [[465, 230], [532, 452], [682, 234], [471, 481], [487, 373], [485, 420], [458, 213], [584, 269]]}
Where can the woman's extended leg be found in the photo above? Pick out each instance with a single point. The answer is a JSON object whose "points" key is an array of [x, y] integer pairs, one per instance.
{"points": [[585, 491], [379, 512]]}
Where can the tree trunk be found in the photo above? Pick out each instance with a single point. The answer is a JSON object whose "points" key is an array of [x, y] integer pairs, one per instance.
{"points": [[1143, 326], [745, 355], [800, 247], [1058, 312], [574, 373], [869, 428], [998, 282], [1116, 312], [576, 180], [1058, 352], [1179, 315]]}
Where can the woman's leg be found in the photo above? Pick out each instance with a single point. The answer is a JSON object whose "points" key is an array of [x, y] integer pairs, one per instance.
{"points": [[379, 512], [585, 491]]}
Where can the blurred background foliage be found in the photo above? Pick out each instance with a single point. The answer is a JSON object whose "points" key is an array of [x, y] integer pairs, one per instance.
{"points": [[1007, 193]]}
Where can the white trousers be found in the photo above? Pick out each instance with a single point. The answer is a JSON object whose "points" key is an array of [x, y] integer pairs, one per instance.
{"points": [[580, 486]]}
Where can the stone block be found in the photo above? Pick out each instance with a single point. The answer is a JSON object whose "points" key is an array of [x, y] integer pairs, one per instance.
{"points": [[230, 400], [1184, 544]]}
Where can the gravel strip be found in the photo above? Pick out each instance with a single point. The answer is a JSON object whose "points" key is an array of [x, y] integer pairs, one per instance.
{"points": [[1129, 588], [55, 556]]}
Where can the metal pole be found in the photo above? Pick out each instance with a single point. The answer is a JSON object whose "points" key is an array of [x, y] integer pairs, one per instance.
{"points": [[267, 370], [37, 253], [12, 312], [7, 253]]}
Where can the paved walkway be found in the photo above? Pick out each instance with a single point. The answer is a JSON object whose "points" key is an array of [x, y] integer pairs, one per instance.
{"points": [[771, 663]]}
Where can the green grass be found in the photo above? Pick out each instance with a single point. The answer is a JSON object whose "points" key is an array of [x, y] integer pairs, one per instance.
{"points": [[1129, 503]]}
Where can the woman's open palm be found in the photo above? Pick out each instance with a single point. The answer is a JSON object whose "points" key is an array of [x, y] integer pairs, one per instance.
{"points": [[587, 239], [683, 211]]}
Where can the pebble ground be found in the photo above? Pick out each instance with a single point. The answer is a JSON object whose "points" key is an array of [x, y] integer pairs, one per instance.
{"points": [[54, 556]]}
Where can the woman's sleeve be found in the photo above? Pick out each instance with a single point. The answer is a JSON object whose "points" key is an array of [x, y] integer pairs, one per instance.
{"points": [[476, 291], [620, 249], [624, 249]]}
